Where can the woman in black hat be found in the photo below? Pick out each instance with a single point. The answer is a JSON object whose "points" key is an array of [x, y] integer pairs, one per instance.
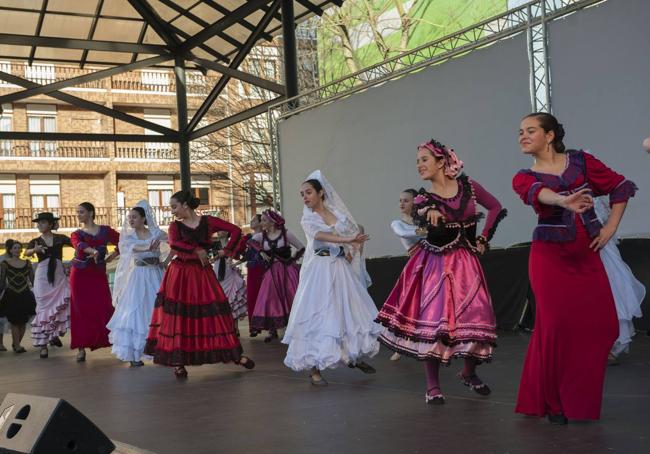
{"points": [[51, 286]]}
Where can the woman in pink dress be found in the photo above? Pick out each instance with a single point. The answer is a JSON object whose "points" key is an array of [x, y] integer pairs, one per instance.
{"points": [[440, 307], [280, 278], [91, 305], [575, 314]]}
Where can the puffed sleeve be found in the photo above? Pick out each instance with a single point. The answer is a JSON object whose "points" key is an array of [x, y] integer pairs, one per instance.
{"points": [[219, 225], [31, 244], [312, 225], [604, 181], [76, 239], [114, 238], [181, 248], [496, 212], [528, 189]]}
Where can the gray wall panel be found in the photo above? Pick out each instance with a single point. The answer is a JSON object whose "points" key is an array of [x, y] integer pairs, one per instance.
{"points": [[601, 91]]}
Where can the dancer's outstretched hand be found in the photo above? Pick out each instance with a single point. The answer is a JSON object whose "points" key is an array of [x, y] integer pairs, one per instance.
{"points": [[358, 240], [434, 217], [578, 202]]}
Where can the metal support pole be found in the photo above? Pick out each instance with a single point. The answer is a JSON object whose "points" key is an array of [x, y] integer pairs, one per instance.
{"points": [[181, 104], [290, 51]]}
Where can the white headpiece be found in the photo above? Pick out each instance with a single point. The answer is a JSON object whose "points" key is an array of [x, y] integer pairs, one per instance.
{"points": [[128, 240]]}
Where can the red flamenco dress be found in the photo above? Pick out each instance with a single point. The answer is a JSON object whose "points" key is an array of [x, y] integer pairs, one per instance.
{"points": [[192, 323], [91, 307], [576, 322]]}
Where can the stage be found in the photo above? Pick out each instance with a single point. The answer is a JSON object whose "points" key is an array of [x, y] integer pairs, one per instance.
{"points": [[271, 409]]}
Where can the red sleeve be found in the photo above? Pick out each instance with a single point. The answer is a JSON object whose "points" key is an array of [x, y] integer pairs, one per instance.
{"points": [[219, 225], [77, 243], [114, 238], [496, 213], [604, 180], [528, 189]]}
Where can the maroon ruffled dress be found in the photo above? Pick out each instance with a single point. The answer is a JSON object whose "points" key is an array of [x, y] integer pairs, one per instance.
{"points": [[192, 321], [575, 315]]}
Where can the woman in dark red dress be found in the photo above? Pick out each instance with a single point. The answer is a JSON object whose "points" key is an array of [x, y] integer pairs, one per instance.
{"points": [[254, 272], [91, 305], [576, 322], [192, 322]]}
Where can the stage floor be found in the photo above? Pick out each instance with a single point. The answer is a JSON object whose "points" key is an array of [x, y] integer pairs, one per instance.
{"points": [[225, 409]]}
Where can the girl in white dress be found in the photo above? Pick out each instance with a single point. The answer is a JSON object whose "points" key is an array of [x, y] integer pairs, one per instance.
{"points": [[332, 319], [627, 290], [137, 281], [405, 229]]}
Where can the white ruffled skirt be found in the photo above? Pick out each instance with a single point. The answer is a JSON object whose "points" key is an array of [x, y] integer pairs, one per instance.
{"points": [[332, 318], [129, 325], [628, 295]]}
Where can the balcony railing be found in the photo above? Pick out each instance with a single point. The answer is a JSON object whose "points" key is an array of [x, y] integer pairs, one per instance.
{"points": [[47, 149], [21, 218], [146, 150], [44, 74]]}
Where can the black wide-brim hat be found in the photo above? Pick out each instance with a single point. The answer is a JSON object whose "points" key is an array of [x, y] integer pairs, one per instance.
{"points": [[45, 216]]}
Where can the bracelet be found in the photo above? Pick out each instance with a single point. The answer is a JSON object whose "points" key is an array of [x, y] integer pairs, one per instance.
{"points": [[482, 240]]}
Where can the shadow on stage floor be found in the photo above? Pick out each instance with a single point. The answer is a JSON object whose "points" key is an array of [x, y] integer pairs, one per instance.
{"points": [[225, 409]]}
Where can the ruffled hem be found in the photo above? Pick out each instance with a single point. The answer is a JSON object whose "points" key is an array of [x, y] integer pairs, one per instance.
{"points": [[50, 324], [329, 352], [192, 310], [128, 345], [195, 358], [238, 305], [478, 349]]}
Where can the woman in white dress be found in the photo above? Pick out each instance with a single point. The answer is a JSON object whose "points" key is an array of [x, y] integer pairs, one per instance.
{"points": [[332, 319], [405, 229], [627, 290], [137, 281]]}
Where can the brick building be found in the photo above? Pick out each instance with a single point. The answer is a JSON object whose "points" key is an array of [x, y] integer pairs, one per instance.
{"points": [[56, 176]]}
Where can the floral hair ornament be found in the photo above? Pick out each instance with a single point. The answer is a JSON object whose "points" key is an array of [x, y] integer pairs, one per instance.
{"points": [[274, 217], [453, 165]]}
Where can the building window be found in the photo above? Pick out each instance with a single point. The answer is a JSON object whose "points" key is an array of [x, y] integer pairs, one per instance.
{"points": [[6, 125], [160, 189], [45, 192], [5, 67], [7, 201], [201, 188], [158, 150], [41, 118]]}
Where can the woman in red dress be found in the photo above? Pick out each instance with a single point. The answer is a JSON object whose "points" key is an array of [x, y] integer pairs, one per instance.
{"points": [[254, 272], [90, 297], [576, 322], [192, 322]]}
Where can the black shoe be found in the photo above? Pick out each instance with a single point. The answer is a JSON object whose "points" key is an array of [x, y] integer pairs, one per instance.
{"points": [[56, 342], [434, 399], [137, 364], [559, 420], [44, 353], [481, 389], [19, 349], [363, 367], [249, 364]]}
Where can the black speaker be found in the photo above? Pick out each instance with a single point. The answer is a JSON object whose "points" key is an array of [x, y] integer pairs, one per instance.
{"points": [[43, 425]]}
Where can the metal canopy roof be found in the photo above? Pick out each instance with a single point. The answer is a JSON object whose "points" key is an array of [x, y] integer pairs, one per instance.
{"points": [[116, 32], [126, 35]]}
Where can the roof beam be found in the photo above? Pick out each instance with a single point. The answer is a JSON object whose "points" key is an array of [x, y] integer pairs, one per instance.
{"points": [[155, 21], [186, 12], [143, 32], [39, 27], [97, 75], [243, 52], [311, 7], [91, 32], [88, 105], [235, 16], [244, 23], [240, 75], [234, 119], [66, 43], [85, 137]]}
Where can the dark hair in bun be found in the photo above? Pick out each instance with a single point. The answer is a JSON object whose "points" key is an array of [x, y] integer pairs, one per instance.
{"points": [[188, 198], [411, 191], [141, 212], [88, 207], [549, 123]]}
